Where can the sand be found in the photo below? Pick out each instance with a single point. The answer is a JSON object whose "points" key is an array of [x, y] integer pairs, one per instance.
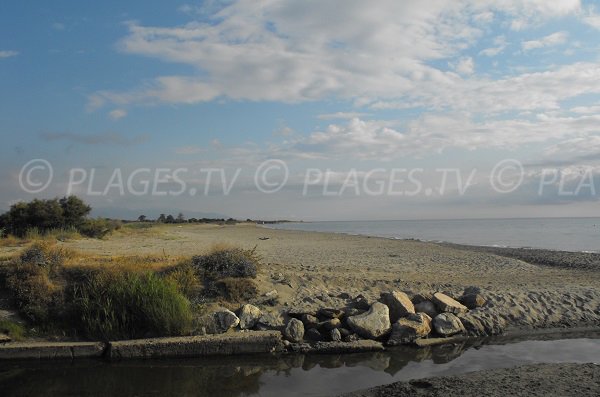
{"points": [[527, 381], [309, 269]]}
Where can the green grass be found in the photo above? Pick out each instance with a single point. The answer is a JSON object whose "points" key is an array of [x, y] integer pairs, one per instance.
{"points": [[131, 305], [12, 329]]}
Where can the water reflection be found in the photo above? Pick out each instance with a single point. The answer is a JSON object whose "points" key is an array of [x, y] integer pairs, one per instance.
{"points": [[271, 375]]}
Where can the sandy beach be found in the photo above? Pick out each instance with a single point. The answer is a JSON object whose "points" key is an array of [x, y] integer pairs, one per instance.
{"points": [[311, 270]]}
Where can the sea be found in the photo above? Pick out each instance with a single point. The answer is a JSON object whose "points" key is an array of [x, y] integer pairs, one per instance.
{"points": [[563, 234]]}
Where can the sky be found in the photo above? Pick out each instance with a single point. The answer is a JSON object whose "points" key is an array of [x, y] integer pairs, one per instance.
{"points": [[311, 110]]}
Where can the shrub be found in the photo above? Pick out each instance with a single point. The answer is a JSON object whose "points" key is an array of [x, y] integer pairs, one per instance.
{"points": [[236, 289], [45, 254], [227, 262], [36, 296], [99, 228], [185, 278], [131, 305], [12, 329]]}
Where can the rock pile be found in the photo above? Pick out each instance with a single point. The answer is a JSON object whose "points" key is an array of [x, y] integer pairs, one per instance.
{"points": [[395, 319]]}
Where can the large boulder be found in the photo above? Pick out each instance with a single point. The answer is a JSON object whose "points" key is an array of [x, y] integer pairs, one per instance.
{"points": [[399, 304], [447, 324], [373, 324], [313, 334], [271, 321], [249, 316], [309, 321], [447, 304], [294, 330], [410, 328], [226, 319], [426, 307], [472, 301]]}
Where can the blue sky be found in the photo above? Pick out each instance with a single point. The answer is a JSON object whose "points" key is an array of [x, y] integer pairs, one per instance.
{"points": [[328, 85]]}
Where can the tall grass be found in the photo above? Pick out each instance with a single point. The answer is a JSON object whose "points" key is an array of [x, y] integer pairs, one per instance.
{"points": [[131, 305]]}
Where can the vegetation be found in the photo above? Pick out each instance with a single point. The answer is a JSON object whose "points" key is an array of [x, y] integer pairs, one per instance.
{"points": [[61, 292], [225, 262], [12, 329], [131, 305]]}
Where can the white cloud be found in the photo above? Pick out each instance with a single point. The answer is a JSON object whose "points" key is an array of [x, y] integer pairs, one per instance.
{"points": [[547, 41], [499, 45], [117, 114], [285, 51], [464, 66], [8, 54], [341, 115], [58, 26]]}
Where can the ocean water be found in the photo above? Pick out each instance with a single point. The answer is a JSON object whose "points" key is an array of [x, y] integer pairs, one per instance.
{"points": [[564, 234]]}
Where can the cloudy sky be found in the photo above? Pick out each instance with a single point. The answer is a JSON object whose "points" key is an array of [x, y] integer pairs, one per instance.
{"points": [[340, 93]]}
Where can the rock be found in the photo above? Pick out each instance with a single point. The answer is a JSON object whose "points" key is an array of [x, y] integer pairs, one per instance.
{"points": [[373, 324], [472, 290], [409, 329], [4, 338], [473, 301], [447, 304], [344, 332], [360, 302], [335, 335], [249, 316], [271, 321], [447, 324], [344, 295], [330, 313], [351, 338], [226, 319], [313, 334], [330, 324], [472, 325], [418, 298], [352, 311], [426, 307], [294, 330], [309, 321], [399, 304]]}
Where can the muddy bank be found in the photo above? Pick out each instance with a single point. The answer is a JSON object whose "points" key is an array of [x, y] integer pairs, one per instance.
{"points": [[526, 381]]}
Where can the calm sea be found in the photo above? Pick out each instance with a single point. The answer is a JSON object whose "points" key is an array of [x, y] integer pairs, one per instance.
{"points": [[565, 234]]}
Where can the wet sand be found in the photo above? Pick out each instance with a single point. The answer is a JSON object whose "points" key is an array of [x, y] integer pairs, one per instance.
{"points": [[530, 380]]}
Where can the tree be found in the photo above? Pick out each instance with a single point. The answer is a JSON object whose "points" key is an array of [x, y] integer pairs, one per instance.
{"points": [[74, 211], [161, 218], [180, 218], [142, 218], [170, 219]]}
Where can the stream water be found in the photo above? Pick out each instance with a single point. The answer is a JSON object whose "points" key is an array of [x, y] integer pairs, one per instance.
{"points": [[289, 375]]}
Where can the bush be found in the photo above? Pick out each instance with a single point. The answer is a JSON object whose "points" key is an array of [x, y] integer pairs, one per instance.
{"points": [[36, 296], [185, 278], [99, 228], [45, 254], [12, 329], [227, 262], [131, 305], [236, 289]]}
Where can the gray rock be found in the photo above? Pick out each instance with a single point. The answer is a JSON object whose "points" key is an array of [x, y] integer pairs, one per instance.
{"points": [[446, 304], [399, 304], [472, 301], [294, 330], [309, 321], [249, 316], [313, 334], [351, 338], [226, 319], [5, 338], [373, 324], [330, 313], [360, 302], [418, 298], [447, 324], [352, 311], [344, 332], [335, 335], [271, 321], [426, 307], [409, 329]]}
